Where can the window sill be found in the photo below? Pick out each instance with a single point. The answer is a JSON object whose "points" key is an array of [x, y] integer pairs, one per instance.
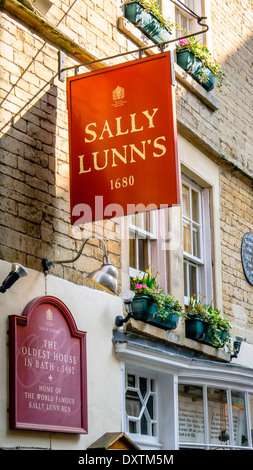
{"points": [[138, 38], [176, 338]]}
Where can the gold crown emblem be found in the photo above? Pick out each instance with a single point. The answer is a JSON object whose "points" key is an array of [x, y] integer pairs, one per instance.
{"points": [[118, 93], [49, 315]]}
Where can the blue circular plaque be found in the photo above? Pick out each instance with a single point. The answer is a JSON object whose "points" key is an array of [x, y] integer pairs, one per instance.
{"points": [[247, 256]]}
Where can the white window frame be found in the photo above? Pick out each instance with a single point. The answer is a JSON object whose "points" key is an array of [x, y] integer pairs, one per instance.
{"points": [[171, 370], [136, 232], [181, 15], [143, 441], [149, 377], [206, 445], [198, 6], [203, 263]]}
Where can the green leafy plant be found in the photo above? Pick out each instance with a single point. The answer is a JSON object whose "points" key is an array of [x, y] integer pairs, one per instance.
{"points": [[201, 52], [153, 7], [147, 285], [218, 324]]}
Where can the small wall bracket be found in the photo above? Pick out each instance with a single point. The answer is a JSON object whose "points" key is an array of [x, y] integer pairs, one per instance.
{"points": [[61, 66]]}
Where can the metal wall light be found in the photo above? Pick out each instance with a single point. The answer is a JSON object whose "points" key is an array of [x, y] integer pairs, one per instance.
{"points": [[17, 271], [127, 297], [105, 276], [238, 340]]}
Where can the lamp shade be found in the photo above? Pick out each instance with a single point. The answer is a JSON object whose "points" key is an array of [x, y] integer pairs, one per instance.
{"points": [[106, 277], [19, 269]]}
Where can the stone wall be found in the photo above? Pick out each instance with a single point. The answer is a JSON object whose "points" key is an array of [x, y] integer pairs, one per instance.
{"points": [[35, 207], [225, 135], [236, 199], [229, 129], [35, 213]]}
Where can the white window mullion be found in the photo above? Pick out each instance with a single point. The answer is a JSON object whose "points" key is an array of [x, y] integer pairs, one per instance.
{"points": [[230, 418], [248, 419], [207, 244], [137, 251], [146, 230], [196, 215], [123, 399], [206, 423]]}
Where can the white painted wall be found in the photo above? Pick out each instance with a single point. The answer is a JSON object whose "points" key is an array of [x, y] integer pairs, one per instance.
{"points": [[94, 312]]}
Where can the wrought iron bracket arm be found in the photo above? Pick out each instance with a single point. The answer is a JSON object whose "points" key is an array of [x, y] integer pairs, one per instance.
{"points": [[47, 263]]}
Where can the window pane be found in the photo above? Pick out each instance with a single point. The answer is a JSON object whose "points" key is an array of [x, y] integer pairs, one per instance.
{"points": [[184, 23], [186, 201], [191, 414], [195, 206], [187, 236], [150, 407], [239, 418], [191, 286], [218, 416], [146, 224], [144, 425], [143, 254], [132, 253], [133, 404], [132, 219], [186, 291], [143, 386], [139, 221], [193, 282], [251, 414], [133, 427], [131, 380], [196, 241]]}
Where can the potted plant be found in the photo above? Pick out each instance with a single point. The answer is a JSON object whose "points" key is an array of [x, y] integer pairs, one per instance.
{"points": [[146, 15], [172, 311], [205, 324], [152, 305], [196, 59], [218, 331], [196, 318]]}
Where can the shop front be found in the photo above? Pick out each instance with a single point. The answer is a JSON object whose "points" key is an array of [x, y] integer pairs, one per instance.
{"points": [[176, 399]]}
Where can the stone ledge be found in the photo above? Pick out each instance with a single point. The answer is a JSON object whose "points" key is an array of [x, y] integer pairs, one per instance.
{"points": [[179, 340]]}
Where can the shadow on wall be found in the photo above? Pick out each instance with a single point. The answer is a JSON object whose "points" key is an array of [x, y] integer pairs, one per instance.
{"points": [[236, 118], [28, 176]]}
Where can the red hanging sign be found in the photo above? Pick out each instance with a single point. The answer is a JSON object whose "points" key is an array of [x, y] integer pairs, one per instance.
{"points": [[122, 140], [48, 389]]}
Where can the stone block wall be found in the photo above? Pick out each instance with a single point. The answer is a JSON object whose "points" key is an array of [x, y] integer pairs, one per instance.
{"points": [[229, 129], [225, 135], [35, 207], [236, 198], [35, 214]]}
